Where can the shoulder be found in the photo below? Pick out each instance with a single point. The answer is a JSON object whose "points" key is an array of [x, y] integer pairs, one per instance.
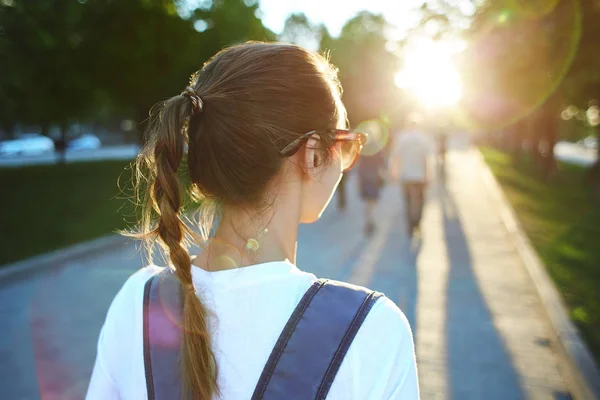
{"points": [[382, 356], [125, 308], [385, 326], [398, 142], [386, 318], [134, 285], [384, 314]]}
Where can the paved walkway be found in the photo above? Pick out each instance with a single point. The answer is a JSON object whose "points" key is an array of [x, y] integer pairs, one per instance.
{"points": [[479, 328]]}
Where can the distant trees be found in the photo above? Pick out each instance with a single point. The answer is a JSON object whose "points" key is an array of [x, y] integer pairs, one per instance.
{"points": [[366, 66], [84, 60], [100, 60], [527, 63]]}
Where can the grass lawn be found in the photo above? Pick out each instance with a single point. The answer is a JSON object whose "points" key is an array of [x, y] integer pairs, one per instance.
{"points": [[44, 208], [564, 226]]}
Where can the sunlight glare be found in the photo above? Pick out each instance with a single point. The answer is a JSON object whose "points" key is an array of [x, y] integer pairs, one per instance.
{"points": [[430, 74]]}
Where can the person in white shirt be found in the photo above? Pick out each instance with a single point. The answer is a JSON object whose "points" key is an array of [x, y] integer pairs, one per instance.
{"points": [[409, 163], [260, 135]]}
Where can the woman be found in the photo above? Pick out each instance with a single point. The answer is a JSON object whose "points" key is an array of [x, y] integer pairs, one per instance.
{"points": [[262, 128]]}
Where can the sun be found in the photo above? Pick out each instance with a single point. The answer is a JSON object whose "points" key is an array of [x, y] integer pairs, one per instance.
{"points": [[429, 73]]}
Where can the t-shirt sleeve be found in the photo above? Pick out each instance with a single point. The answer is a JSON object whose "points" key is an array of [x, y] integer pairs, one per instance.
{"points": [[102, 385], [116, 342], [385, 357]]}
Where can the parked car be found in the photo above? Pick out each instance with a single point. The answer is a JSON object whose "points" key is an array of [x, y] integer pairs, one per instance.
{"points": [[27, 144], [86, 141], [590, 142]]}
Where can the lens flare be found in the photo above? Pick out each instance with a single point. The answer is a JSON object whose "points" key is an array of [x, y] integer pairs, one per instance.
{"points": [[378, 135], [517, 59]]}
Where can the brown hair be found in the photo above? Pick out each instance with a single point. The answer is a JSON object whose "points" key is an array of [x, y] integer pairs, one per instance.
{"points": [[245, 104]]}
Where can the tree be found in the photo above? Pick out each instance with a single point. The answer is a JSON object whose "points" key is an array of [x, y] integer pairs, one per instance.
{"points": [[43, 81], [582, 84], [519, 56], [66, 60], [137, 52], [153, 49], [299, 30], [367, 68]]}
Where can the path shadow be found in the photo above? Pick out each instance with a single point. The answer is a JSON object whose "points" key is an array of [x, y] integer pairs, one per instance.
{"points": [[396, 273], [479, 365]]}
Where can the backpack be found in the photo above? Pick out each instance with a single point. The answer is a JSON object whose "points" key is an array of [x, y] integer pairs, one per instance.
{"points": [[304, 361]]}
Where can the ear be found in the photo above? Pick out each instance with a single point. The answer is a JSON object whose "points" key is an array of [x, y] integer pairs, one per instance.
{"points": [[312, 157]]}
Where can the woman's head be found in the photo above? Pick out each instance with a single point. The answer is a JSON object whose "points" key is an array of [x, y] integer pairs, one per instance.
{"points": [[257, 98], [255, 117]]}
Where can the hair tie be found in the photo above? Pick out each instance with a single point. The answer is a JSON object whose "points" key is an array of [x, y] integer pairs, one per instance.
{"points": [[197, 103], [189, 288]]}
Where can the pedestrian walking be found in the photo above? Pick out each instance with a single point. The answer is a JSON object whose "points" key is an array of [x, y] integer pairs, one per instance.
{"points": [[259, 135], [409, 163], [371, 172], [442, 147]]}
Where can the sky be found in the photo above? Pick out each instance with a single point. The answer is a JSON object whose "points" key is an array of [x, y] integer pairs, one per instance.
{"points": [[400, 14], [335, 13]]}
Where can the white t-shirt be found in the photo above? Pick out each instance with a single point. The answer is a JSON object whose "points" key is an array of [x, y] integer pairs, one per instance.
{"points": [[251, 305], [410, 153]]}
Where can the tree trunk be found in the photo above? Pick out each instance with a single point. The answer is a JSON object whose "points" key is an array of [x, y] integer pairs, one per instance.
{"points": [[592, 175], [60, 145], [513, 141], [598, 143], [546, 121]]}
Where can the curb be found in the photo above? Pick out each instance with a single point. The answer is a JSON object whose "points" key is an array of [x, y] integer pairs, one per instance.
{"points": [[31, 265], [581, 373]]}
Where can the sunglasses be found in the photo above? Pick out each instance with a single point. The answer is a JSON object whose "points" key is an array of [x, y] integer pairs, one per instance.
{"points": [[352, 143]]}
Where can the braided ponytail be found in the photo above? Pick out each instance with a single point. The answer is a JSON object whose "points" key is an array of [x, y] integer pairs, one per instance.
{"points": [[162, 222]]}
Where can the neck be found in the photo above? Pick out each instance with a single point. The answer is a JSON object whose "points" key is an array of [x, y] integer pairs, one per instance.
{"points": [[272, 236]]}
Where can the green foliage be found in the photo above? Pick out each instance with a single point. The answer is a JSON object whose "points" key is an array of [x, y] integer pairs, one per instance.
{"points": [[49, 207], [66, 60], [564, 227], [231, 22], [43, 79], [527, 61], [518, 58], [299, 30], [367, 68], [582, 84]]}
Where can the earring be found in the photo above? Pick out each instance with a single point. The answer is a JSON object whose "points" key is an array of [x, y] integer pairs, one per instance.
{"points": [[252, 243]]}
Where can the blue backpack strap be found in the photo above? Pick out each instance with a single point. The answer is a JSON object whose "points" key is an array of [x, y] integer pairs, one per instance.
{"points": [[310, 350], [162, 336]]}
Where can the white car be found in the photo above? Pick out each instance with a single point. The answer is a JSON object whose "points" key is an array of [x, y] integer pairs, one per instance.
{"points": [[86, 141], [27, 144], [590, 142]]}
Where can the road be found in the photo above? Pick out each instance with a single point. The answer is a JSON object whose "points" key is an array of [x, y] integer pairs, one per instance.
{"points": [[124, 152], [479, 327]]}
